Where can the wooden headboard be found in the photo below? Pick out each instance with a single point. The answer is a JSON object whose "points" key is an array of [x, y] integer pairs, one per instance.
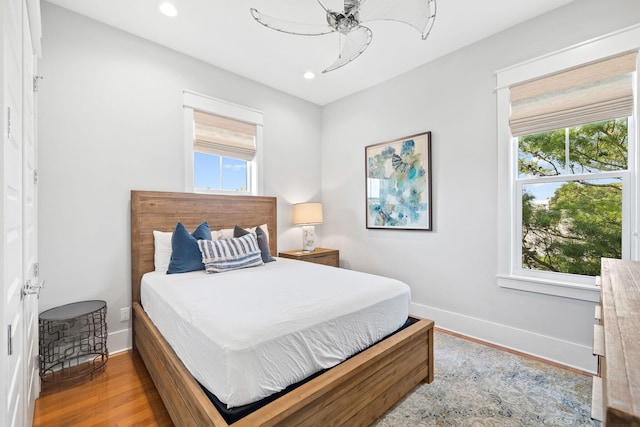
{"points": [[154, 210]]}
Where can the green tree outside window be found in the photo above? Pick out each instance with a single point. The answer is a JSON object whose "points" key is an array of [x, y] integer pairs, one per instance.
{"points": [[581, 220]]}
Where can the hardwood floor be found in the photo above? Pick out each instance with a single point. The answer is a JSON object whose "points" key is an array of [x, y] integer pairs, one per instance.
{"points": [[122, 395]]}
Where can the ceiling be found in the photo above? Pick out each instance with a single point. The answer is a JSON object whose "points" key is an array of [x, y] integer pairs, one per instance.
{"points": [[223, 33]]}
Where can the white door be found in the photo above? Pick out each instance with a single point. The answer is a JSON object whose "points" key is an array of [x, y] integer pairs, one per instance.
{"points": [[12, 279], [29, 221], [18, 244]]}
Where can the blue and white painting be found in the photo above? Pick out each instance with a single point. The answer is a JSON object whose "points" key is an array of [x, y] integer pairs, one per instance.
{"points": [[399, 183]]}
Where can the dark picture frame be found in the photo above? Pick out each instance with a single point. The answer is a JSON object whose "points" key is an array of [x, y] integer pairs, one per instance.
{"points": [[398, 184]]}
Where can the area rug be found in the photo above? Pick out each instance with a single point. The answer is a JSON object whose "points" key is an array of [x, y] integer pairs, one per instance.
{"points": [[477, 385]]}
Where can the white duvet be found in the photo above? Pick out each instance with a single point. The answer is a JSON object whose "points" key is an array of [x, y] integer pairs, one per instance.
{"points": [[249, 333]]}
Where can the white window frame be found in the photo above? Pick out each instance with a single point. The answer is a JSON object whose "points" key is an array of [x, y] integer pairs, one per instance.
{"points": [[510, 274], [196, 101]]}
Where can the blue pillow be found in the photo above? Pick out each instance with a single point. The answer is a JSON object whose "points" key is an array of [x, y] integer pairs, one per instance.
{"points": [[185, 254], [263, 243]]}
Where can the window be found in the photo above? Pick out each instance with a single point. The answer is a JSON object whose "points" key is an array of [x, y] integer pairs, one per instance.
{"points": [[222, 146], [566, 166], [570, 194], [214, 172], [223, 152]]}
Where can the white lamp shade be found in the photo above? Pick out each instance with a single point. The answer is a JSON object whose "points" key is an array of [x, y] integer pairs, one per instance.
{"points": [[307, 213]]}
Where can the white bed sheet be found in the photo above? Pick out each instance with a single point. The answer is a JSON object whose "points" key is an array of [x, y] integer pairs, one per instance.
{"points": [[247, 334]]}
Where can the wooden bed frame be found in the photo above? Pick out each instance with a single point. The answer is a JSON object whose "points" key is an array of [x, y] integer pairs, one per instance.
{"points": [[356, 392]]}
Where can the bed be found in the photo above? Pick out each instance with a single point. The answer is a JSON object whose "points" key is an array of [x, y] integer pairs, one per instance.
{"points": [[355, 392]]}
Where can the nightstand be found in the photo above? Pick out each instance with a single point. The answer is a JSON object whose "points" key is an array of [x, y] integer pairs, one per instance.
{"points": [[73, 340], [324, 256]]}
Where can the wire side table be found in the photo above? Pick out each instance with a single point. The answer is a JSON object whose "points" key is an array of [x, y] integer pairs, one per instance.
{"points": [[73, 341]]}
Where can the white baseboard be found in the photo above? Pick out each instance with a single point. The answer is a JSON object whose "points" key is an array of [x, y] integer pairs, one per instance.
{"points": [[119, 341], [549, 348]]}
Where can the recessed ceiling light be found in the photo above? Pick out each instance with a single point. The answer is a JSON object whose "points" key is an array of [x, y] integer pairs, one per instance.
{"points": [[168, 9], [309, 75]]}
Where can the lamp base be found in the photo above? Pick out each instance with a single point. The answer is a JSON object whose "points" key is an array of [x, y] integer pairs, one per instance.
{"points": [[308, 238]]}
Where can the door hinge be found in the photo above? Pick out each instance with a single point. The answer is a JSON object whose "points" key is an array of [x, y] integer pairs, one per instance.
{"points": [[36, 269], [35, 81], [8, 122], [10, 349], [35, 176]]}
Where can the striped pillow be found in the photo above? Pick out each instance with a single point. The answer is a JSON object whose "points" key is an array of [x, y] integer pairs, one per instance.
{"points": [[230, 254]]}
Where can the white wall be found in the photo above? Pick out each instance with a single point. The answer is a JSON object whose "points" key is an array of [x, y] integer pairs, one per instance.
{"points": [[110, 120], [451, 270]]}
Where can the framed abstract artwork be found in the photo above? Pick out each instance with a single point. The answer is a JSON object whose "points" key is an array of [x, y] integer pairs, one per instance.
{"points": [[399, 183]]}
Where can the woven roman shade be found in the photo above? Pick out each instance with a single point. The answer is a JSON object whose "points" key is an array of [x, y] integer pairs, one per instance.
{"points": [[594, 92], [223, 136]]}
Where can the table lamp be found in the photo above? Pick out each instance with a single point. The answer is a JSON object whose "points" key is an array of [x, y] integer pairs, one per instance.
{"points": [[307, 215]]}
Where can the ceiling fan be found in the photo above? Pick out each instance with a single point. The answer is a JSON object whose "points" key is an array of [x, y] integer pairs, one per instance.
{"points": [[419, 14]]}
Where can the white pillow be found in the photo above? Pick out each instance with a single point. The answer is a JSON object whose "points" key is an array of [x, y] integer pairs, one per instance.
{"points": [[162, 249], [227, 233]]}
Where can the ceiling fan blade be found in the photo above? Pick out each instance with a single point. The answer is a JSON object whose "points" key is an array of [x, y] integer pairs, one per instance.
{"points": [[356, 41], [420, 14], [290, 27], [323, 6]]}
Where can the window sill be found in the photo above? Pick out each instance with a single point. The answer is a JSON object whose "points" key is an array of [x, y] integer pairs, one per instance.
{"points": [[547, 287]]}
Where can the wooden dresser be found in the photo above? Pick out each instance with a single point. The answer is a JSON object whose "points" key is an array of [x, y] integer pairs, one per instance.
{"points": [[616, 388]]}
